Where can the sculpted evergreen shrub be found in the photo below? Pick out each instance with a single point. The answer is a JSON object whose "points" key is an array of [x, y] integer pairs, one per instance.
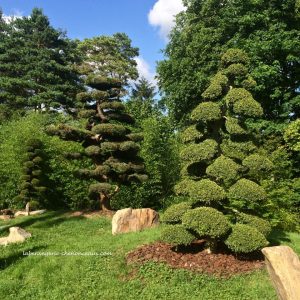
{"points": [[174, 213], [260, 224], [31, 187], [247, 190], [206, 222], [220, 164], [106, 139], [245, 239], [207, 111], [190, 134], [177, 235], [259, 166]]}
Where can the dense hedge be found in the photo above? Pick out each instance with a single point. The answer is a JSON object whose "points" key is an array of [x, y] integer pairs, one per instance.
{"points": [[65, 189]]}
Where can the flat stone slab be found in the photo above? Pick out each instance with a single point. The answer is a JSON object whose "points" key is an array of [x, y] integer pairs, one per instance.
{"points": [[5, 217], [31, 213], [284, 269], [16, 235], [131, 220]]}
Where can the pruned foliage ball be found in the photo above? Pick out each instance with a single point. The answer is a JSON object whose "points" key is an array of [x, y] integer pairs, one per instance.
{"points": [[224, 170], [174, 213], [260, 224], [204, 151], [206, 112], [206, 222], [247, 190], [258, 165], [245, 239], [177, 235]]}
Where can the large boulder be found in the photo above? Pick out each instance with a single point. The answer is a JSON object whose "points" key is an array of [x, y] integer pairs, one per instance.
{"points": [[131, 220], [284, 268], [16, 235]]}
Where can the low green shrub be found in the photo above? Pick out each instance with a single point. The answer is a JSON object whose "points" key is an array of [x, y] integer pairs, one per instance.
{"points": [[176, 235], [245, 239], [260, 224]]}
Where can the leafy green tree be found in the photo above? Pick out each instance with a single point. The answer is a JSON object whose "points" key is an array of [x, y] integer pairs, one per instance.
{"points": [[64, 190], [141, 103], [292, 136], [109, 56], [267, 30], [160, 151], [221, 166], [106, 139], [37, 65]]}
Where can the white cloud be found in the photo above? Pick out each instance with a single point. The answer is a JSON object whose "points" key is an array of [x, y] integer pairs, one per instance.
{"points": [[9, 18], [162, 15], [144, 70]]}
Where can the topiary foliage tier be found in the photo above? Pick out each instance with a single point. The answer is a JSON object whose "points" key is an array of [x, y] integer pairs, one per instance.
{"points": [[106, 138], [225, 190]]}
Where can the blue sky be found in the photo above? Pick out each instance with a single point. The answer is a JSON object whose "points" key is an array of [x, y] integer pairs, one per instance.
{"points": [[147, 22]]}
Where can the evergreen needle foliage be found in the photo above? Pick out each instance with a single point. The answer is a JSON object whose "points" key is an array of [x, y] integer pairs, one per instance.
{"points": [[226, 180]]}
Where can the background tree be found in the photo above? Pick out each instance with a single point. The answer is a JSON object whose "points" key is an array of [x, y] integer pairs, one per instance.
{"points": [[106, 139], [32, 181], [109, 56], [221, 166], [267, 30], [141, 103], [37, 65]]}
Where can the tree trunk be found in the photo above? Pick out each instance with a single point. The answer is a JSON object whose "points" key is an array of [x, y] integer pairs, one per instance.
{"points": [[211, 246], [104, 202]]}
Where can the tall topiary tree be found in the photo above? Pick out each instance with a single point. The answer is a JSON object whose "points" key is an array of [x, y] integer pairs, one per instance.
{"points": [[106, 138], [32, 187], [221, 167]]}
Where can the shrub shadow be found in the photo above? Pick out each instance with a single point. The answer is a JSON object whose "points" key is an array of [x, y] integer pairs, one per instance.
{"points": [[5, 262], [277, 237]]}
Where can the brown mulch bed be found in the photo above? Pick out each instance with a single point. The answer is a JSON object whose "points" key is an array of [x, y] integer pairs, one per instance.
{"points": [[194, 258], [91, 214]]}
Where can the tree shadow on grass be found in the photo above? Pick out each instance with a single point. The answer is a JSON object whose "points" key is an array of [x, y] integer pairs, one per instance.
{"points": [[5, 262], [277, 237], [45, 221]]}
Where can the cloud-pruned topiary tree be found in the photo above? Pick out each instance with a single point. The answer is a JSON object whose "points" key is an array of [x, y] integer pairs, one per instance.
{"points": [[106, 138], [32, 181], [221, 166]]}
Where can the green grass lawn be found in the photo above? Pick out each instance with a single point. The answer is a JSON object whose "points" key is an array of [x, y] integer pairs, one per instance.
{"points": [[108, 277]]}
